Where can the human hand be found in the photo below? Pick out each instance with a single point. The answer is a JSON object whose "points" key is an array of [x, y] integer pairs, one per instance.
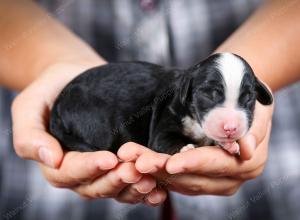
{"points": [[30, 112], [92, 175], [95, 175], [209, 170]]}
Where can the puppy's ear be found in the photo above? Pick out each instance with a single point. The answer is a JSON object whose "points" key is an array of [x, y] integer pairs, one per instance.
{"points": [[184, 88], [263, 95]]}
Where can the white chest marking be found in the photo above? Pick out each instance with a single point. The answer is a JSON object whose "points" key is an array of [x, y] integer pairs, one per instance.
{"points": [[232, 70], [192, 128]]}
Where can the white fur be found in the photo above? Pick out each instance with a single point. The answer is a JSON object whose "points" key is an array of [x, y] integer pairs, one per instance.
{"points": [[232, 70], [192, 128], [187, 148]]}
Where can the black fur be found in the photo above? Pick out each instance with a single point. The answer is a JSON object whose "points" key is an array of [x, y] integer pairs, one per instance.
{"points": [[110, 105]]}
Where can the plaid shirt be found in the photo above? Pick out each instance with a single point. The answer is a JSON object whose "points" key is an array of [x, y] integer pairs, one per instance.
{"points": [[168, 32]]}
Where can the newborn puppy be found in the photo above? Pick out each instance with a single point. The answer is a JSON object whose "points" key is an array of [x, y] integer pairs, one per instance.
{"points": [[167, 110]]}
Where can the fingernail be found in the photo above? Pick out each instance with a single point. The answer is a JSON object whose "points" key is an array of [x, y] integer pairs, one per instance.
{"points": [[151, 170], [46, 157], [145, 186], [107, 164], [142, 191], [154, 198], [175, 168]]}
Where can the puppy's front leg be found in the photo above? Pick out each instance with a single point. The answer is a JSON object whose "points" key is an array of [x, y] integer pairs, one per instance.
{"points": [[231, 147], [168, 142], [187, 147]]}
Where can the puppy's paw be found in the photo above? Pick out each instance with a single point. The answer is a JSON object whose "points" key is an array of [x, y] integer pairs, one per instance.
{"points": [[187, 147], [231, 147]]}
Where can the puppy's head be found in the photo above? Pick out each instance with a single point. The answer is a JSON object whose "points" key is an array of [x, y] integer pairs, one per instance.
{"points": [[221, 92]]}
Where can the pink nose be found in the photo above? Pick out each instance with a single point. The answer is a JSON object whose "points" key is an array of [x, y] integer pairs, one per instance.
{"points": [[230, 129]]}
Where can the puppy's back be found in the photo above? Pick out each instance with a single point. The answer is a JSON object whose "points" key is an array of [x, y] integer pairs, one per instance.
{"points": [[107, 106]]}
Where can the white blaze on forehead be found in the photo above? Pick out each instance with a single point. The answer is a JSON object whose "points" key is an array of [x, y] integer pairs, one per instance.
{"points": [[232, 70]]}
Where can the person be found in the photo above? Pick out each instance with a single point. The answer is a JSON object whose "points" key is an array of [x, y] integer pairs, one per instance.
{"points": [[57, 56]]}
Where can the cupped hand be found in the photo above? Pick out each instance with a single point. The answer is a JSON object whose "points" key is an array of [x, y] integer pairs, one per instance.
{"points": [[208, 170], [30, 112], [95, 175], [99, 174], [92, 175]]}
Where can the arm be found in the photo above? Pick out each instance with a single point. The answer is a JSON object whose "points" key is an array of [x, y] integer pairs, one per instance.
{"points": [[269, 41], [39, 56], [32, 41]]}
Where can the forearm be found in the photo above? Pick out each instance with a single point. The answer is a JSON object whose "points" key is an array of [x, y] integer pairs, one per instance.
{"points": [[269, 41], [32, 41]]}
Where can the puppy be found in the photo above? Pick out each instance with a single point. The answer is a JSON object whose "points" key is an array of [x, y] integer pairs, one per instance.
{"points": [[167, 110]]}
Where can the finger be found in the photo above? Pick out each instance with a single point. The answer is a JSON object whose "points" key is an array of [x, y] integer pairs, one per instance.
{"points": [[37, 145], [110, 184], [202, 160], [257, 132], [147, 161], [136, 192], [211, 161], [252, 174], [31, 141], [151, 162], [156, 197], [247, 147], [191, 184], [257, 163], [131, 151], [80, 167]]}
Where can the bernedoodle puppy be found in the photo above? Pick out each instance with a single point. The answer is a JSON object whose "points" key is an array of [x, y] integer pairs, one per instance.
{"points": [[168, 110]]}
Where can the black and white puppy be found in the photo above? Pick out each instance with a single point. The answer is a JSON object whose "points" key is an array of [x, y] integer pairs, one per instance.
{"points": [[167, 110]]}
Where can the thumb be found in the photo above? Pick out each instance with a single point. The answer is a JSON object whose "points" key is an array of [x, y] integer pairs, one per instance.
{"points": [[29, 119], [257, 132], [38, 145]]}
